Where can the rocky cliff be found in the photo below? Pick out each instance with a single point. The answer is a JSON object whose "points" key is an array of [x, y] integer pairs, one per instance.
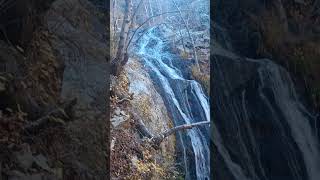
{"points": [[143, 100], [53, 122]]}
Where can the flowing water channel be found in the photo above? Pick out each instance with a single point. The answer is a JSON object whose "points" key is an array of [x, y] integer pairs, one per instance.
{"points": [[262, 129], [184, 99]]}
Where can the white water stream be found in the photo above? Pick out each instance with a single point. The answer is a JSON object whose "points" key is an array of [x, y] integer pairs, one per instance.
{"points": [[152, 49]]}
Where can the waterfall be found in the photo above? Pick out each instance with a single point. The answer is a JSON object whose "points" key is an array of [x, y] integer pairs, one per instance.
{"points": [[281, 85], [262, 130], [184, 98]]}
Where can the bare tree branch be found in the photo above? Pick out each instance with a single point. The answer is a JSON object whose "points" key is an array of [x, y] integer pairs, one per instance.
{"points": [[147, 20], [136, 10], [132, 19], [121, 56], [63, 112], [146, 30], [141, 126], [159, 138], [191, 38]]}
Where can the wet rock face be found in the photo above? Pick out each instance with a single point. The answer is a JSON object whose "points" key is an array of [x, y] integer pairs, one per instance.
{"points": [[234, 15], [119, 117], [19, 19], [80, 41], [260, 119], [64, 58], [33, 75], [25, 164], [148, 103], [184, 99], [256, 108], [27, 55], [149, 106]]}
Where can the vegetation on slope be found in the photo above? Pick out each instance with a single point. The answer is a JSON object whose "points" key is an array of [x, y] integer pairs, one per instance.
{"points": [[283, 30], [42, 134], [295, 42], [132, 155]]}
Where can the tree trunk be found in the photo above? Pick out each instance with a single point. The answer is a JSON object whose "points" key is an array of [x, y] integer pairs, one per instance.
{"points": [[146, 21], [160, 9], [146, 11], [121, 56], [151, 10], [184, 48], [131, 23], [114, 5], [141, 126], [159, 138], [61, 113], [190, 37], [114, 28]]}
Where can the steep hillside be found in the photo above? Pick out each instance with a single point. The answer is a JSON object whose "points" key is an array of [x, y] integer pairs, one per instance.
{"points": [[53, 119], [136, 99]]}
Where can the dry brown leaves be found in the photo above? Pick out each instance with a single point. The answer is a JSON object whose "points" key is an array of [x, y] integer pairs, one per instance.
{"points": [[11, 126], [125, 148]]}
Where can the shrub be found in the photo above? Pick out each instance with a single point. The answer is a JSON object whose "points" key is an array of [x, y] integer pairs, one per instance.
{"points": [[184, 55], [202, 78]]}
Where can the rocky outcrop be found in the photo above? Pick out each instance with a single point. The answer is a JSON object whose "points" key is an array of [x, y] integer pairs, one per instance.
{"points": [[283, 31], [134, 98], [79, 38], [78, 31], [59, 56], [261, 127], [148, 103]]}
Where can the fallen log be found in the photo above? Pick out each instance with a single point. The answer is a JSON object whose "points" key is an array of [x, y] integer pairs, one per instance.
{"points": [[141, 127], [59, 115], [157, 139], [129, 98]]}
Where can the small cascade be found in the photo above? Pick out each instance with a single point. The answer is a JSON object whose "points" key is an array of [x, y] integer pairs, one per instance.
{"points": [[185, 100], [261, 129]]}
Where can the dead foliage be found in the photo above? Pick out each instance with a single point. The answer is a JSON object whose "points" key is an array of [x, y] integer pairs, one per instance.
{"points": [[290, 35], [203, 77]]}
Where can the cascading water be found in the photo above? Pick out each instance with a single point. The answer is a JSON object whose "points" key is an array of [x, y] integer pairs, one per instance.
{"points": [[185, 100], [261, 129]]}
